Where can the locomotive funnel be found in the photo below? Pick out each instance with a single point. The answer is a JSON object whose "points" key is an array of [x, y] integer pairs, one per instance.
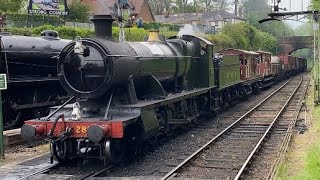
{"points": [[154, 36], [103, 26]]}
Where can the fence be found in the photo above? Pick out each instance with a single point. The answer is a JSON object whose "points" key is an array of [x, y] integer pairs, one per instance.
{"points": [[205, 28]]}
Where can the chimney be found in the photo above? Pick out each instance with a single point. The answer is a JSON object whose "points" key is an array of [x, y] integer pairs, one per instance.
{"points": [[103, 26], [154, 36]]}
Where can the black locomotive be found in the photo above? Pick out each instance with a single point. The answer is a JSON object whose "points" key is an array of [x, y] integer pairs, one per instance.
{"points": [[33, 85], [130, 92]]}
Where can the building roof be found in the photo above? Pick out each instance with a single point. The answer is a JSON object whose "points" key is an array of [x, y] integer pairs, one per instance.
{"points": [[178, 18], [187, 17]]}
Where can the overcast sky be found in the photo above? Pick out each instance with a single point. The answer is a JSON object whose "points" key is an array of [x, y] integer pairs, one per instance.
{"points": [[294, 5]]}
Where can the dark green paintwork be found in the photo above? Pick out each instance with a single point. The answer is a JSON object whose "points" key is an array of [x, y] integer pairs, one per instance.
{"points": [[150, 122], [165, 67], [149, 85], [201, 73], [229, 73]]}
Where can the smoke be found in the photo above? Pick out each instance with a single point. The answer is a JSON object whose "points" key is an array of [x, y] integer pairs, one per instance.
{"points": [[189, 29]]}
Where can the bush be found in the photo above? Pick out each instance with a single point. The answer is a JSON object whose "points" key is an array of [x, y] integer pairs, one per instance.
{"points": [[168, 34], [21, 31], [132, 34], [24, 20], [221, 41], [157, 25]]}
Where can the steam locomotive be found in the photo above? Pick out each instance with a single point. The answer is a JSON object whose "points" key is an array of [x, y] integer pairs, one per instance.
{"points": [[130, 92], [33, 85]]}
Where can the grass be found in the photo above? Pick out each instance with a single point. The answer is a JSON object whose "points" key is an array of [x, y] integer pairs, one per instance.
{"points": [[61, 7], [303, 158], [34, 6]]}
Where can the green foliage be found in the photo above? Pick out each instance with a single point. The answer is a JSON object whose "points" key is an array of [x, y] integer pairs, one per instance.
{"points": [[168, 34], [256, 5], [264, 41], [21, 20], [132, 34], [276, 28], [242, 36], [157, 25], [10, 5], [21, 31], [38, 30], [78, 12], [256, 10], [315, 4], [313, 164], [304, 30], [221, 41], [241, 33], [71, 33]]}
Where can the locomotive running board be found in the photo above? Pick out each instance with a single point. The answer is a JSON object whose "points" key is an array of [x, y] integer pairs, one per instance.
{"points": [[183, 121]]}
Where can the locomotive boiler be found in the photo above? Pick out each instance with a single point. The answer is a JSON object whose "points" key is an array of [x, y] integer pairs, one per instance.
{"points": [[129, 66], [33, 85]]}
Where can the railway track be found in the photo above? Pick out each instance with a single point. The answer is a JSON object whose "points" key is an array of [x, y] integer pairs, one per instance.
{"points": [[229, 154], [145, 167], [274, 148], [71, 172]]}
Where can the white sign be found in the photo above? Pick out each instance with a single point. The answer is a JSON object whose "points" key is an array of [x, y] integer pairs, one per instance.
{"points": [[3, 81]]}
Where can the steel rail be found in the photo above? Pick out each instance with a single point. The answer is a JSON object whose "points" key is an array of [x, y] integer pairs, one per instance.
{"points": [[244, 166], [40, 171], [172, 173], [287, 139], [94, 174]]}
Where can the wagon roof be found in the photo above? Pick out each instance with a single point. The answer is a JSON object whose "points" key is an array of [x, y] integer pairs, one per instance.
{"points": [[243, 51], [263, 52]]}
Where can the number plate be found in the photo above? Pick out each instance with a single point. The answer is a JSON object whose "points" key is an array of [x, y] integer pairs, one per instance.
{"points": [[81, 129]]}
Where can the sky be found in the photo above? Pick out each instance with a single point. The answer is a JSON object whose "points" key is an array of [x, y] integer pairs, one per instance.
{"points": [[294, 5]]}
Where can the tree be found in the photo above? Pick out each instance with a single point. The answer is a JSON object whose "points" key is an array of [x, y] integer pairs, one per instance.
{"points": [[304, 30], [10, 5], [315, 4], [243, 36], [256, 10], [256, 5], [221, 4], [207, 4], [78, 12]]}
